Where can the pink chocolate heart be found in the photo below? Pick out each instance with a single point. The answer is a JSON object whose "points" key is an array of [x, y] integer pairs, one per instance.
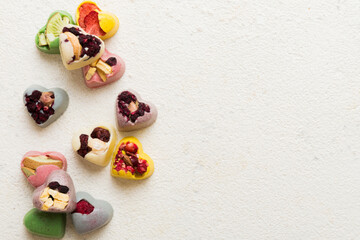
{"points": [[43, 171], [118, 70]]}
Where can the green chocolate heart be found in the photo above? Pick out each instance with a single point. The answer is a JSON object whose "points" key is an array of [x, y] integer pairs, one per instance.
{"points": [[53, 48], [45, 224]]}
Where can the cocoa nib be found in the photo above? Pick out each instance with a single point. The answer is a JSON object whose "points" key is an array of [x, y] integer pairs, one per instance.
{"points": [[101, 133], [84, 148]]}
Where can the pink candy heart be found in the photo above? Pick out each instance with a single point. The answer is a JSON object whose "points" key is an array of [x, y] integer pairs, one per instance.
{"points": [[113, 61]]}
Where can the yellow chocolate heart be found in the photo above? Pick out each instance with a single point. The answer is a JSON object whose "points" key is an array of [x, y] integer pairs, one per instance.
{"points": [[142, 155]]}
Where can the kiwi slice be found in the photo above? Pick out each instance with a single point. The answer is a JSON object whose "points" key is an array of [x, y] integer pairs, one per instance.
{"points": [[54, 26]]}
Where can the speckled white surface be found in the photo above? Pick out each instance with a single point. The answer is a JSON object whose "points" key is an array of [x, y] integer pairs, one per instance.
{"points": [[258, 129]]}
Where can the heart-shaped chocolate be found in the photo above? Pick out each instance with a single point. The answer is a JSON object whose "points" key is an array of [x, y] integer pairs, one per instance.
{"points": [[109, 68], [132, 113], [57, 194], [130, 162], [90, 213], [36, 166], [95, 21], [45, 105], [47, 39], [45, 224], [95, 144], [78, 48]]}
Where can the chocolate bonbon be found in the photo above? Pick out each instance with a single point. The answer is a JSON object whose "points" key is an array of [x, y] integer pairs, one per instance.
{"points": [[78, 48], [109, 68], [90, 213], [57, 194], [36, 166], [95, 21], [95, 144], [45, 224], [133, 113], [47, 39], [45, 105], [130, 162]]}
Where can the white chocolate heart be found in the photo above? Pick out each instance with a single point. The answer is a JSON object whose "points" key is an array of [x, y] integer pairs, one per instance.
{"points": [[100, 151], [78, 48]]}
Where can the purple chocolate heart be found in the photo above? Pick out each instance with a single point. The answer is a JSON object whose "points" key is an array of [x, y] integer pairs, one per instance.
{"points": [[132, 112], [57, 194]]}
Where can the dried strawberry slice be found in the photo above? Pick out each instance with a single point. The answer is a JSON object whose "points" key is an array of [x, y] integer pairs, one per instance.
{"points": [[84, 10], [92, 26]]}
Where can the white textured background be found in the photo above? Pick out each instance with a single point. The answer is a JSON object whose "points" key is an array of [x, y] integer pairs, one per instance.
{"points": [[258, 129]]}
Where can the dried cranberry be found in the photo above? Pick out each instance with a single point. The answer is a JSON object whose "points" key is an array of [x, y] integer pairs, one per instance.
{"points": [[124, 99], [127, 97], [101, 133], [63, 189], [51, 111], [35, 115], [35, 95], [31, 107], [84, 207], [122, 147], [84, 148], [73, 30], [43, 117], [130, 168], [142, 167], [111, 61], [53, 185], [39, 106], [134, 161], [90, 45], [134, 116], [147, 108], [141, 112]]}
